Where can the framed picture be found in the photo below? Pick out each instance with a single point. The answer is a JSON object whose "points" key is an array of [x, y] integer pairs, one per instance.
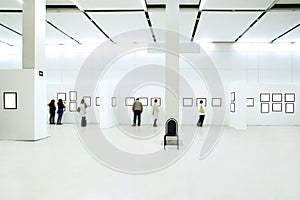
{"points": [[88, 100], [250, 102], [232, 107], [232, 96], [198, 101], [62, 96], [216, 102], [264, 97], [73, 96], [10, 100], [144, 101], [187, 102], [72, 106], [264, 108], [97, 101], [277, 97], [289, 97], [114, 101], [158, 101], [289, 108], [129, 101], [277, 107]]}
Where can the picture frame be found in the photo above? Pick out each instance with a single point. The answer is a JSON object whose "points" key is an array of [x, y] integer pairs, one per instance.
{"points": [[88, 100], [289, 108], [97, 101], [73, 106], [144, 101], [232, 97], [277, 107], [232, 107], [187, 102], [264, 97], [158, 101], [73, 95], [264, 108], [198, 101], [10, 100], [250, 102], [216, 102], [114, 101], [289, 97], [62, 96], [129, 101], [277, 97]]}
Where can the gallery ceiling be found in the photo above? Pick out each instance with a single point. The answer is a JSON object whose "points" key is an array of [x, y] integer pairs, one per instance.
{"points": [[94, 21]]}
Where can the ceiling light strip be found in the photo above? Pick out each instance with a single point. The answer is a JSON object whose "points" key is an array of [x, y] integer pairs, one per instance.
{"points": [[196, 25], [285, 33], [120, 10], [62, 32], [10, 29], [98, 27], [6, 43]]}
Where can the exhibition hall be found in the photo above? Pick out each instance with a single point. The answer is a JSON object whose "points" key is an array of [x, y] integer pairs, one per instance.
{"points": [[149, 99]]}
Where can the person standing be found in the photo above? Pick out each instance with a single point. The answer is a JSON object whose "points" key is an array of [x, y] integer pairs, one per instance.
{"points": [[52, 109], [201, 114], [137, 109], [82, 110], [155, 112], [60, 111]]}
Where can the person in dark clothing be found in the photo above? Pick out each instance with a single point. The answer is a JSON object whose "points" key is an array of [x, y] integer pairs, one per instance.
{"points": [[137, 109], [60, 111], [52, 109]]}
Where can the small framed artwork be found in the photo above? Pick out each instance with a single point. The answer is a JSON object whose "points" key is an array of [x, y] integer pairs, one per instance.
{"points": [[232, 107], [289, 108], [10, 100], [114, 101], [264, 108], [277, 97], [289, 97], [97, 101], [62, 96], [73, 96], [187, 102], [72, 106], [277, 107], [129, 101], [144, 101], [88, 100], [216, 102], [198, 101], [158, 101], [250, 102], [264, 97], [232, 96]]}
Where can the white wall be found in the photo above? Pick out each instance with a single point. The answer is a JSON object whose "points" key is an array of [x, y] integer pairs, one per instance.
{"points": [[257, 64]]}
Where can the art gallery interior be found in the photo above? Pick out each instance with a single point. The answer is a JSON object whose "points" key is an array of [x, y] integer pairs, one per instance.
{"points": [[241, 58]]}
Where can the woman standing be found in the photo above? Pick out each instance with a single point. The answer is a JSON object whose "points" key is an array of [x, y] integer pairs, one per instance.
{"points": [[82, 111], [201, 114], [60, 111], [52, 109], [155, 112]]}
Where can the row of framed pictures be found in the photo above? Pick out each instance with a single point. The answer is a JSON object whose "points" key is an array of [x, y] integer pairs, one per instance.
{"points": [[277, 97], [277, 107]]}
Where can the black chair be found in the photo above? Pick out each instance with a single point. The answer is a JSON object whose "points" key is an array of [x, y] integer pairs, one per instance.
{"points": [[171, 129]]}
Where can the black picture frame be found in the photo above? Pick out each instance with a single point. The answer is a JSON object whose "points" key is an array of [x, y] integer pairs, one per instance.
{"points": [[250, 102], [88, 100], [97, 101], [10, 100], [72, 106], [62, 96], [187, 102], [264, 108], [264, 97], [289, 108], [198, 101], [232, 107], [287, 97], [276, 107], [232, 97], [144, 101], [73, 95], [113, 101], [158, 101], [216, 102], [129, 101], [276, 97]]}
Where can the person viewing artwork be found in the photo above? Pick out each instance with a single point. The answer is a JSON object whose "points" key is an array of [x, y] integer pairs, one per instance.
{"points": [[82, 110], [60, 111], [137, 109], [52, 109], [155, 112], [201, 114]]}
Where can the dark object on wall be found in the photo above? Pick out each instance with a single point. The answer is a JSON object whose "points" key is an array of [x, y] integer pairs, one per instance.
{"points": [[171, 129]]}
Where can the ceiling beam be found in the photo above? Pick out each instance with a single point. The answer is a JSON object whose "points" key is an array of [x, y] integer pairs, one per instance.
{"points": [[10, 29], [293, 28]]}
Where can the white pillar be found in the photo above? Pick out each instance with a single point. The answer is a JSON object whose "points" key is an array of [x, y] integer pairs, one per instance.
{"points": [[34, 26], [172, 59]]}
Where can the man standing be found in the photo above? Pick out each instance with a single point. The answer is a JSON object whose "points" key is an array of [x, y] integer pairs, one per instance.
{"points": [[137, 109]]}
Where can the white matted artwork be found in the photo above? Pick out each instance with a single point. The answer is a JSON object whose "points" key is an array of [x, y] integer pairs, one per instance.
{"points": [[250, 102], [216, 102], [97, 101], [187, 102], [114, 101], [232, 96], [158, 101], [289, 97], [144, 101], [264, 97], [277, 97], [62, 96], [264, 108], [129, 101], [198, 101], [232, 107], [87, 100], [73, 96], [277, 107], [10, 100], [289, 108], [72, 106]]}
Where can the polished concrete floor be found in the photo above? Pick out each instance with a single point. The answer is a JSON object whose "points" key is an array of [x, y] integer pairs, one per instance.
{"points": [[261, 163]]}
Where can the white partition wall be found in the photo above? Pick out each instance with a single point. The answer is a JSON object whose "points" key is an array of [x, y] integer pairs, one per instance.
{"points": [[28, 121]]}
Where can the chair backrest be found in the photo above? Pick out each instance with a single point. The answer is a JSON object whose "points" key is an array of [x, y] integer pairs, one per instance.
{"points": [[171, 127]]}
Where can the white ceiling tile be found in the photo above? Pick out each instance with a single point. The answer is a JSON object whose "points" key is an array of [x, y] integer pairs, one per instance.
{"points": [[237, 4], [12, 20], [53, 36], [110, 4], [10, 4], [223, 26], [10, 37], [271, 25]]}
